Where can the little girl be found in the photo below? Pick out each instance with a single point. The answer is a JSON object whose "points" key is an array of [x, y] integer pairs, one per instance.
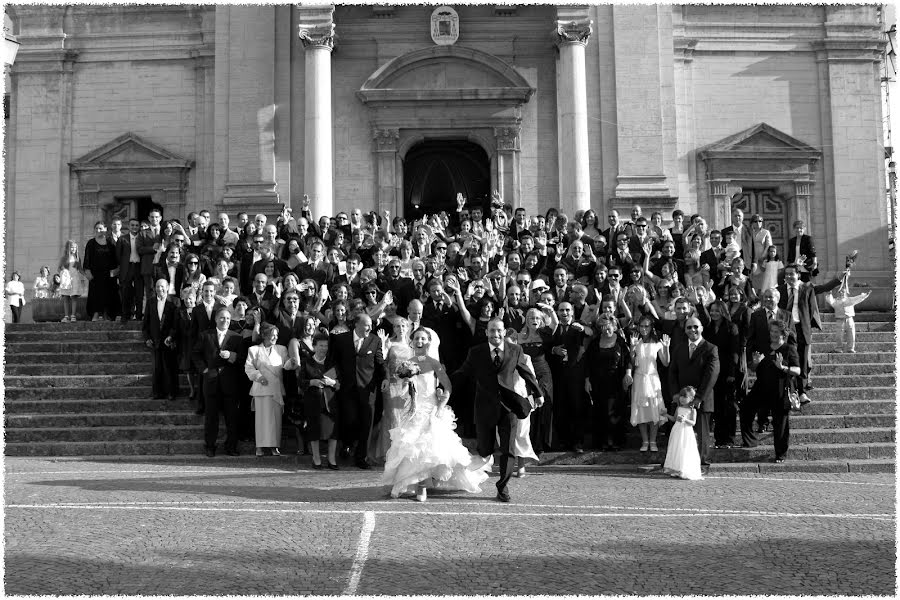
{"points": [[682, 456], [770, 267], [844, 312]]}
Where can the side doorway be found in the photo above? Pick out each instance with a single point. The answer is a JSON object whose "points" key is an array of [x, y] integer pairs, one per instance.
{"points": [[773, 210]]}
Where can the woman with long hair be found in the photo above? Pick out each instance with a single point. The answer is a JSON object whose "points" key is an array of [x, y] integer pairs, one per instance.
{"points": [[193, 277], [647, 404], [71, 285], [536, 339], [395, 390]]}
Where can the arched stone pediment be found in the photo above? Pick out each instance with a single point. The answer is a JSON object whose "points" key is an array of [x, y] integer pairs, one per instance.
{"points": [[446, 73]]}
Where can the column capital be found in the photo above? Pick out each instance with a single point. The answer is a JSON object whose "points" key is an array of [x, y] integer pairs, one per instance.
{"points": [[573, 25], [316, 26], [507, 138], [386, 139]]}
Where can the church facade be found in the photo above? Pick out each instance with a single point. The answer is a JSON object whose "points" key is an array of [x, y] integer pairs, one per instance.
{"points": [[773, 108]]}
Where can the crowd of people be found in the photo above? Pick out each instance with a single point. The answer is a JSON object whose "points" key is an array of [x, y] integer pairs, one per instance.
{"points": [[312, 318]]}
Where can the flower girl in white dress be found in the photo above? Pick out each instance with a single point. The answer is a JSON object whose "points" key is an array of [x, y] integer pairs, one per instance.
{"points": [[682, 455]]}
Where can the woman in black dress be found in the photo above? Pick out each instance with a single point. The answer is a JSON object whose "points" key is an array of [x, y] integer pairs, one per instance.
{"points": [[609, 376], [536, 339], [319, 381], [723, 334], [775, 371], [99, 263]]}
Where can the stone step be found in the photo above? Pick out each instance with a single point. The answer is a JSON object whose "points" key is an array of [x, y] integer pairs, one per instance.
{"points": [[90, 368], [77, 326], [86, 335], [822, 358], [57, 346], [74, 406], [862, 316], [26, 393], [843, 435], [850, 369], [861, 336], [824, 422], [139, 433], [138, 354], [822, 379], [826, 347], [834, 326], [50, 382], [148, 418], [852, 407], [849, 394]]}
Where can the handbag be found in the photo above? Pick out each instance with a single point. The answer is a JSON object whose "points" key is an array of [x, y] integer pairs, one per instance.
{"points": [[791, 397]]}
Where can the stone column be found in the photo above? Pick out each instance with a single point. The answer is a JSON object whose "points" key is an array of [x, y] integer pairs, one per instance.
{"points": [[573, 28], [317, 35], [508, 151], [802, 195], [386, 164]]}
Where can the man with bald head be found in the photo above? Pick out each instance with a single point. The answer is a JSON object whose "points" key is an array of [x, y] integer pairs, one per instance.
{"points": [[696, 364]]}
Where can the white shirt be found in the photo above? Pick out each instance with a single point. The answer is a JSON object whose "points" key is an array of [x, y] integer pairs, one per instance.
{"points": [[133, 257], [221, 334], [171, 280], [795, 310], [209, 309], [494, 350], [160, 306], [357, 341]]}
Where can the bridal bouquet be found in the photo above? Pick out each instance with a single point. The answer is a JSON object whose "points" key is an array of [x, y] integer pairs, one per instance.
{"points": [[406, 371]]}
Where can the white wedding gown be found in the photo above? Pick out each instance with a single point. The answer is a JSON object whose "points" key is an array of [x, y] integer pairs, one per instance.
{"points": [[425, 446]]}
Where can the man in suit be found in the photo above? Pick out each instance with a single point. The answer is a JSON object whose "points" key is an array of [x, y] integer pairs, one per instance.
{"points": [[131, 282], [229, 236], [247, 261], [713, 257], [801, 247], [215, 354], [616, 227], [172, 270], [159, 335], [358, 355], [203, 318], [758, 334], [570, 409], [317, 268], [148, 244], [487, 364], [402, 288], [561, 287], [696, 364], [262, 295], [798, 299]]}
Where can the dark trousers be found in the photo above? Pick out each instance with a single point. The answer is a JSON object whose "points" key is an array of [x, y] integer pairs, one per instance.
{"points": [[486, 436], [804, 350], [220, 397], [725, 414], [131, 290], [541, 427], [357, 412], [148, 291], [165, 372], [701, 428], [608, 414], [781, 431], [16, 313], [748, 411], [570, 414]]}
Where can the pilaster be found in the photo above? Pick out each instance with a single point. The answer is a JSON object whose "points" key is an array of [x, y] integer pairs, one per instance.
{"points": [[390, 184], [507, 161]]}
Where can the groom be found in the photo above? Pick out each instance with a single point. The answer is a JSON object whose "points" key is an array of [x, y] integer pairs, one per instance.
{"points": [[487, 364]]}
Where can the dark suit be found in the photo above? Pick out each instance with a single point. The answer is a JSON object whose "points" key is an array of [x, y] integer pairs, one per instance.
{"points": [[165, 366], [267, 302], [323, 274], [570, 408], [161, 271], [403, 290], [700, 371], [807, 249], [221, 384], [145, 250], [359, 378], [808, 310], [131, 282], [491, 416], [726, 341]]}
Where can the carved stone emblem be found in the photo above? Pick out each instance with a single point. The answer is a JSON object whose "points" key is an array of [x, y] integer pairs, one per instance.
{"points": [[444, 26]]}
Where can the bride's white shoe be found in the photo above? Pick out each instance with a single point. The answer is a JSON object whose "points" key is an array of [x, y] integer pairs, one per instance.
{"points": [[421, 494]]}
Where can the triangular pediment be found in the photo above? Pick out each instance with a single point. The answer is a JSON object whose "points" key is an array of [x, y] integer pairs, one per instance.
{"points": [[761, 139], [130, 149]]}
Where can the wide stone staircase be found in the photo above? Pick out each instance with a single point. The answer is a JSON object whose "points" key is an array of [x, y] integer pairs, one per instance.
{"points": [[83, 389]]}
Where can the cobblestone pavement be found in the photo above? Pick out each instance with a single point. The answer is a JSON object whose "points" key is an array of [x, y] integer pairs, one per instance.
{"points": [[220, 527]]}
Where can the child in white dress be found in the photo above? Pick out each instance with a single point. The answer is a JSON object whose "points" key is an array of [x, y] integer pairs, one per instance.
{"points": [[770, 268], [844, 312], [682, 455]]}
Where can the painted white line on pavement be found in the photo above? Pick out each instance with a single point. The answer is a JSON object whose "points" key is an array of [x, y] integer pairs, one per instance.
{"points": [[800, 480], [223, 470], [510, 513], [362, 552]]}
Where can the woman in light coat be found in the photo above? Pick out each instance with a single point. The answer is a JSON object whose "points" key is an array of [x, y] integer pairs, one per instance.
{"points": [[265, 366]]}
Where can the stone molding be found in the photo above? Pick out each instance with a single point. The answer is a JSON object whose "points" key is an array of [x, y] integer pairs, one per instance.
{"points": [[386, 139], [573, 25], [316, 27]]}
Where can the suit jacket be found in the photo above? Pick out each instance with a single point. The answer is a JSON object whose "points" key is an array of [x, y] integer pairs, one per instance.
{"points": [[358, 369], [322, 274], [806, 248], [225, 372], [726, 341], [258, 365], [269, 300], [286, 330], [700, 370], [479, 366], [145, 250], [807, 306], [154, 329], [758, 334], [573, 341], [123, 252], [200, 322], [161, 271], [403, 291]]}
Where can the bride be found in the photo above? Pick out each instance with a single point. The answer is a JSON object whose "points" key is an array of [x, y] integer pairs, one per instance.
{"points": [[425, 450]]}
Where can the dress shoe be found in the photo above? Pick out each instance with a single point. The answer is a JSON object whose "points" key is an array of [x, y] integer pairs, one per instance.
{"points": [[233, 452], [259, 452], [362, 464], [210, 452], [654, 447], [276, 452], [645, 446], [804, 399], [579, 449], [333, 466], [779, 459], [503, 496], [318, 467], [421, 494]]}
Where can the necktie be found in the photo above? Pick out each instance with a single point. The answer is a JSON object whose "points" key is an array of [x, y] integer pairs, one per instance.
{"points": [[691, 347], [358, 345], [497, 358], [790, 302]]}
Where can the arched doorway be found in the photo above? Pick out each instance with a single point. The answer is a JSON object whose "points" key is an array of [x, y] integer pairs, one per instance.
{"points": [[435, 171]]}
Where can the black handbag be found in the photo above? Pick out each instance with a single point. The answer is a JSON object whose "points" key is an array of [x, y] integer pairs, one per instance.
{"points": [[791, 397]]}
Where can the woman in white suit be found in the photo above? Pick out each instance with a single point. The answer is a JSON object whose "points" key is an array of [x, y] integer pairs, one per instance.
{"points": [[761, 239], [264, 366]]}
